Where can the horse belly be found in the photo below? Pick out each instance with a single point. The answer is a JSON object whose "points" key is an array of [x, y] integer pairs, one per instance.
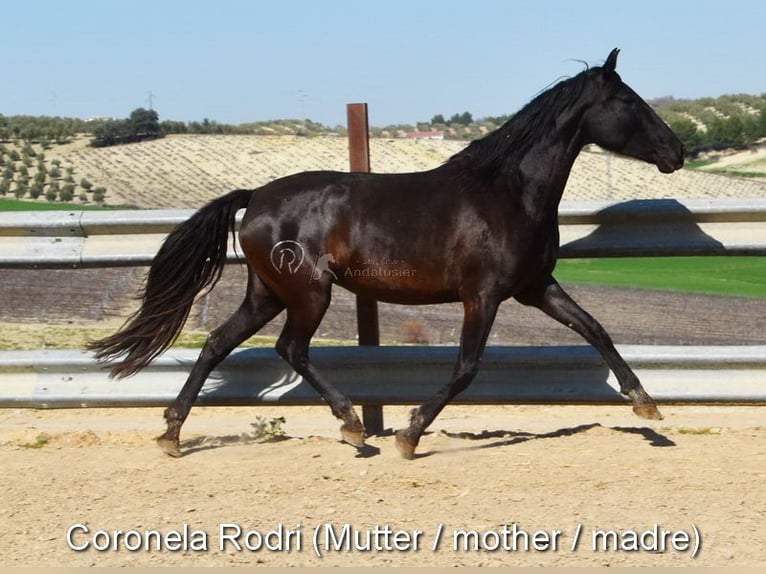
{"points": [[394, 280]]}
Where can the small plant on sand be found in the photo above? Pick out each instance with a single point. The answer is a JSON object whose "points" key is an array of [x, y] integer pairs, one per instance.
{"points": [[40, 441], [268, 430]]}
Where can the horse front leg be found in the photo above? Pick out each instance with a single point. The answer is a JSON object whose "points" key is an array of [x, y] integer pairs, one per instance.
{"points": [[479, 314], [555, 302]]}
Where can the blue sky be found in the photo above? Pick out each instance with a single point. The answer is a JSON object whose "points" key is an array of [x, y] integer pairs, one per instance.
{"points": [[236, 61]]}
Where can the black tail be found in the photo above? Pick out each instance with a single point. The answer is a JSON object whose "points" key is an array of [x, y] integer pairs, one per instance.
{"points": [[191, 259]]}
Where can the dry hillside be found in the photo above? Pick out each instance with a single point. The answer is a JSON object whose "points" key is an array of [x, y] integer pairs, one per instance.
{"points": [[186, 171]]}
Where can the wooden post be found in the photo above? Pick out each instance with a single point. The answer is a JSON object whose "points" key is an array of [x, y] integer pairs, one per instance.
{"points": [[366, 308]]}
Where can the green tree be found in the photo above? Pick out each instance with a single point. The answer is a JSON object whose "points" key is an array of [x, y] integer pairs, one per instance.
{"points": [[724, 133], [68, 188], [36, 189], [173, 127], [462, 119], [22, 186], [67, 193], [98, 194], [686, 131], [144, 123], [108, 133]]}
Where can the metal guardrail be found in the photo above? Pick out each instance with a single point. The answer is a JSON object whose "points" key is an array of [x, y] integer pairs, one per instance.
{"points": [[67, 239], [391, 375], [587, 229]]}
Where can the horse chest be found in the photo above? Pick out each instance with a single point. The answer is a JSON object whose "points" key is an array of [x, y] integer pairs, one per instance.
{"points": [[525, 254]]}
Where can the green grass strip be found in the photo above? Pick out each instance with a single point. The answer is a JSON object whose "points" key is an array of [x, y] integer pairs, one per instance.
{"points": [[732, 276], [10, 204]]}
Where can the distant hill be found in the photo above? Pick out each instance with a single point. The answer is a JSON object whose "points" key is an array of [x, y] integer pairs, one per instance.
{"points": [[714, 124], [185, 171], [706, 111]]}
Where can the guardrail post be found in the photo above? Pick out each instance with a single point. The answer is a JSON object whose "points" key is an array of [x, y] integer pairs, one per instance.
{"points": [[366, 308]]}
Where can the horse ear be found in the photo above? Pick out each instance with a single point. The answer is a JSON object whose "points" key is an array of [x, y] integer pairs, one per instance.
{"points": [[611, 60]]}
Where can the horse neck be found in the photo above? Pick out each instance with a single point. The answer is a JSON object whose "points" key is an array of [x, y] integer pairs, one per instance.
{"points": [[540, 176]]}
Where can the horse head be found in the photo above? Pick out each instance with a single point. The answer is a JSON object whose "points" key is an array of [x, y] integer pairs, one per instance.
{"points": [[620, 121]]}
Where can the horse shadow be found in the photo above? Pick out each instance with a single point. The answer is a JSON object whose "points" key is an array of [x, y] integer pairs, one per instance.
{"points": [[639, 228], [205, 443], [498, 439], [510, 438]]}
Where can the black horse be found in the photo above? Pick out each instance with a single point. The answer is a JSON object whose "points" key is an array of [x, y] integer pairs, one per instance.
{"points": [[479, 229]]}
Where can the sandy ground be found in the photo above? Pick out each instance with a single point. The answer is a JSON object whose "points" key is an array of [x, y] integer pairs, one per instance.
{"points": [[500, 485]]}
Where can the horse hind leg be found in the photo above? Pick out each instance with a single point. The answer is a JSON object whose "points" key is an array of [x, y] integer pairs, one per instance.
{"points": [[555, 302], [258, 308], [303, 319]]}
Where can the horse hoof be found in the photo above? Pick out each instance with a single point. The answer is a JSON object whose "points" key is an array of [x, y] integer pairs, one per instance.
{"points": [[354, 437], [648, 411], [169, 447], [404, 446]]}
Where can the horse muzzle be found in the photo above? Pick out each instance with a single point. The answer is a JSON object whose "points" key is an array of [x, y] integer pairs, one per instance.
{"points": [[672, 160]]}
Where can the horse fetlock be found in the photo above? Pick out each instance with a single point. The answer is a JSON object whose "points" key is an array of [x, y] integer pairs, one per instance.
{"points": [[630, 386], [406, 444], [352, 430], [169, 441], [407, 440], [417, 421]]}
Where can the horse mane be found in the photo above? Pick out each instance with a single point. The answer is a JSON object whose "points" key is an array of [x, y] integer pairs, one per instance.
{"points": [[528, 126]]}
